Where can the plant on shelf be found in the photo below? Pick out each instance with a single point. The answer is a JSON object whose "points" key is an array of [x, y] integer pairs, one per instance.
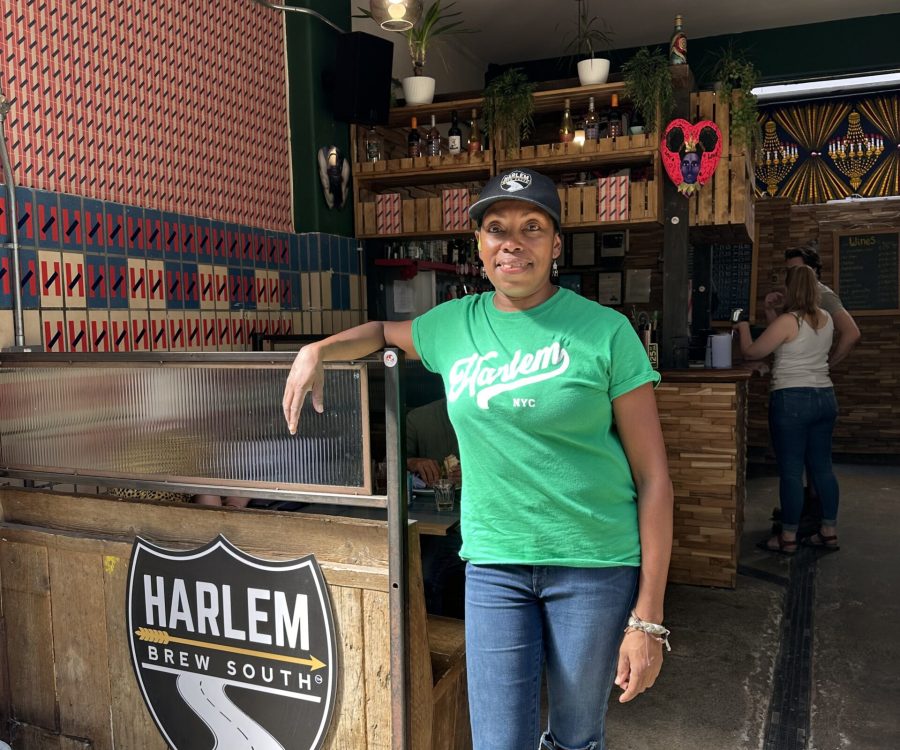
{"points": [[648, 85], [735, 72], [438, 21], [591, 35], [508, 108]]}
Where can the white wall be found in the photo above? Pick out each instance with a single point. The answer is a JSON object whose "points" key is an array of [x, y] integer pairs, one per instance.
{"points": [[454, 68]]}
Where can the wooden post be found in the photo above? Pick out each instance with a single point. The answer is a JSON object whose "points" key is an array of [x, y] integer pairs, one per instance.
{"points": [[673, 350]]}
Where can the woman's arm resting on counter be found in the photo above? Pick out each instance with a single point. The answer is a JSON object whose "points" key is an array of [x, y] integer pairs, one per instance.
{"points": [[307, 373]]}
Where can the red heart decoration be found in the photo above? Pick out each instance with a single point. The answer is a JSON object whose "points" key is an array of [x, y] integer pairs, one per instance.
{"points": [[691, 153]]}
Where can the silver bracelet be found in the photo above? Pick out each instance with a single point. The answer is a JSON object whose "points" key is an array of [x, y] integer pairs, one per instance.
{"points": [[658, 633]]}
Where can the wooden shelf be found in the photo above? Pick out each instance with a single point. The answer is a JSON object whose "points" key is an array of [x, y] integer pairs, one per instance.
{"points": [[421, 265], [409, 267], [610, 226], [416, 235], [625, 151], [400, 116], [544, 101], [423, 170]]}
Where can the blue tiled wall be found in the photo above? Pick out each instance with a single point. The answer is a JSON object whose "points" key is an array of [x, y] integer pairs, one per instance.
{"points": [[82, 257]]}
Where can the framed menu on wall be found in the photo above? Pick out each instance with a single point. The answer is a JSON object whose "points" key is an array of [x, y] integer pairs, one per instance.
{"points": [[867, 271]]}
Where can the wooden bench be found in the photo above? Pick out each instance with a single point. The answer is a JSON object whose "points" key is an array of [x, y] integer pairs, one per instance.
{"points": [[63, 567]]}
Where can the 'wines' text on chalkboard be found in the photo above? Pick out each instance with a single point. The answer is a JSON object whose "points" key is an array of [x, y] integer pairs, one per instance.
{"points": [[867, 273]]}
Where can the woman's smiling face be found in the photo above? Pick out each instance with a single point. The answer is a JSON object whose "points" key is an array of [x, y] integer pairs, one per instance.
{"points": [[518, 242]]}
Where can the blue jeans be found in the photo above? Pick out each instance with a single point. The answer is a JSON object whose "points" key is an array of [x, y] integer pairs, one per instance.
{"points": [[521, 618], [801, 422]]}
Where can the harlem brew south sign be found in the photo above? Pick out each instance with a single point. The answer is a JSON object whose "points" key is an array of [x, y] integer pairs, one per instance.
{"points": [[232, 651]]}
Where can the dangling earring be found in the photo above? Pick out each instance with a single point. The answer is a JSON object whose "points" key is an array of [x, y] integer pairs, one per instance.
{"points": [[554, 271], [483, 272]]}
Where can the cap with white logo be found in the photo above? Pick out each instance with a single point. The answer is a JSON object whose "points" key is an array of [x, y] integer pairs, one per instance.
{"points": [[518, 185]]}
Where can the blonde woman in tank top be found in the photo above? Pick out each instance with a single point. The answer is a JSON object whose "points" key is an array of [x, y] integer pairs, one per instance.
{"points": [[802, 406]]}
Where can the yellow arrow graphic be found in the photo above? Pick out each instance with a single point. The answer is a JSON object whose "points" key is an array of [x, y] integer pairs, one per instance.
{"points": [[162, 637]]}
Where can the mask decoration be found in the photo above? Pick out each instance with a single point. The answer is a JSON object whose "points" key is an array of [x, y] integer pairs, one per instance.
{"points": [[691, 153], [334, 174]]}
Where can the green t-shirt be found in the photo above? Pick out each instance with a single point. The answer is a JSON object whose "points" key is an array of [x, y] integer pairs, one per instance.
{"points": [[545, 478]]}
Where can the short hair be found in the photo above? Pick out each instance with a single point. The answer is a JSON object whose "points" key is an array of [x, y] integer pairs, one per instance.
{"points": [[809, 254]]}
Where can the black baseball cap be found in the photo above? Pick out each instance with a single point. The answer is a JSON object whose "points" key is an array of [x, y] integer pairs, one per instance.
{"points": [[518, 185]]}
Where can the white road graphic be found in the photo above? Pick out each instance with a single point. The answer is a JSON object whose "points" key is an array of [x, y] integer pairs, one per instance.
{"points": [[231, 727]]}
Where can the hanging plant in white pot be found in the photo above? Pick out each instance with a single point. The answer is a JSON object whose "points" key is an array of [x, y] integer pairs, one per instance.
{"points": [[438, 21], [591, 35]]}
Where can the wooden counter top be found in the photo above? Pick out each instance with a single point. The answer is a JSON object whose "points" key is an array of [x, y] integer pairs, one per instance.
{"points": [[706, 375]]}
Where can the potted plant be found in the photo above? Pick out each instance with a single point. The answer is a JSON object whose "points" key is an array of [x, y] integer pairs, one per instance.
{"points": [[437, 21], [734, 72], [590, 36], [508, 108], [648, 86]]}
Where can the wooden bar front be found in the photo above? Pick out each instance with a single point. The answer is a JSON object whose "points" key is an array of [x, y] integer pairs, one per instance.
{"points": [[67, 682], [703, 416]]}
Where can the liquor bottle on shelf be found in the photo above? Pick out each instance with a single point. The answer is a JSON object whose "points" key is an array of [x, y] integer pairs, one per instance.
{"points": [[414, 141], [433, 140], [454, 135], [591, 122], [678, 45], [566, 127], [615, 118], [374, 145], [474, 144]]}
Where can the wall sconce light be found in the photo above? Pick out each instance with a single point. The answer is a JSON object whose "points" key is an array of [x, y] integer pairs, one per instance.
{"points": [[579, 137], [396, 15]]}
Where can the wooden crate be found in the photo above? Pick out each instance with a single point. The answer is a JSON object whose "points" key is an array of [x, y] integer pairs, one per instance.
{"points": [[728, 196]]}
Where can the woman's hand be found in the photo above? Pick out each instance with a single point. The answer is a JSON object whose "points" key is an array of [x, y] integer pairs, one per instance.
{"points": [[307, 375], [640, 659]]}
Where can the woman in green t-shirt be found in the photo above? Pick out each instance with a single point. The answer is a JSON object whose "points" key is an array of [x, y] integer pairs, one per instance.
{"points": [[567, 503]]}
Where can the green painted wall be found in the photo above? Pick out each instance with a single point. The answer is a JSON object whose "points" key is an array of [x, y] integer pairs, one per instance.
{"points": [[793, 52], [310, 50]]}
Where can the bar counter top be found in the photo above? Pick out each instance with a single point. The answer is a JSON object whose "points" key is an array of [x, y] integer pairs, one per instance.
{"points": [[706, 375]]}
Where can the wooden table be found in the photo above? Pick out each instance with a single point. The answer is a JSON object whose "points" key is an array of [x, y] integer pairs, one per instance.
{"points": [[421, 510]]}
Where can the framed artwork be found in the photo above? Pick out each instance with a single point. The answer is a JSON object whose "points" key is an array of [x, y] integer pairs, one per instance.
{"points": [[609, 288], [637, 285], [584, 246], [613, 244]]}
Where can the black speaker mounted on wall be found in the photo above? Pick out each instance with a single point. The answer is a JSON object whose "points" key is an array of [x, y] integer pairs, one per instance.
{"points": [[358, 87]]}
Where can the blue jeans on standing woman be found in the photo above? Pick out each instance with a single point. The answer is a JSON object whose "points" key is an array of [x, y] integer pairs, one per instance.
{"points": [[801, 422], [521, 618]]}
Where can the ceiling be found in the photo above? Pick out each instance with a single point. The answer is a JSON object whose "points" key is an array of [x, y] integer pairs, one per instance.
{"points": [[517, 30]]}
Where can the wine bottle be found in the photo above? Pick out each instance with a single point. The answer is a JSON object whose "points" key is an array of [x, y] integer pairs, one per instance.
{"points": [[414, 141], [374, 145], [615, 118], [566, 128], [433, 140], [678, 45], [474, 144], [591, 122], [454, 135]]}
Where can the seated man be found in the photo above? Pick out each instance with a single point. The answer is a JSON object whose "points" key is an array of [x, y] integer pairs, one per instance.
{"points": [[431, 447]]}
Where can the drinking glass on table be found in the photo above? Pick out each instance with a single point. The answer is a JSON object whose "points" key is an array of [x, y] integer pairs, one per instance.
{"points": [[444, 495]]}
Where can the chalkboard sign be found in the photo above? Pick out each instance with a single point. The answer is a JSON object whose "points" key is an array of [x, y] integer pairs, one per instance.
{"points": [[731, 273], [867, 272]]}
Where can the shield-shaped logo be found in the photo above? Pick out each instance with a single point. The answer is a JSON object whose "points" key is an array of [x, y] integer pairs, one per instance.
{"points": [[232, 651]]}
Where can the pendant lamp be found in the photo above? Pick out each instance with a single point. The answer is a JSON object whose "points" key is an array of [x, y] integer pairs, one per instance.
{"points": [[396, 15]]}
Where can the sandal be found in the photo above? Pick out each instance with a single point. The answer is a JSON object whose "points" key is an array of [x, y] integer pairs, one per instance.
{"points": [[824, 542], [778, 544]]}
